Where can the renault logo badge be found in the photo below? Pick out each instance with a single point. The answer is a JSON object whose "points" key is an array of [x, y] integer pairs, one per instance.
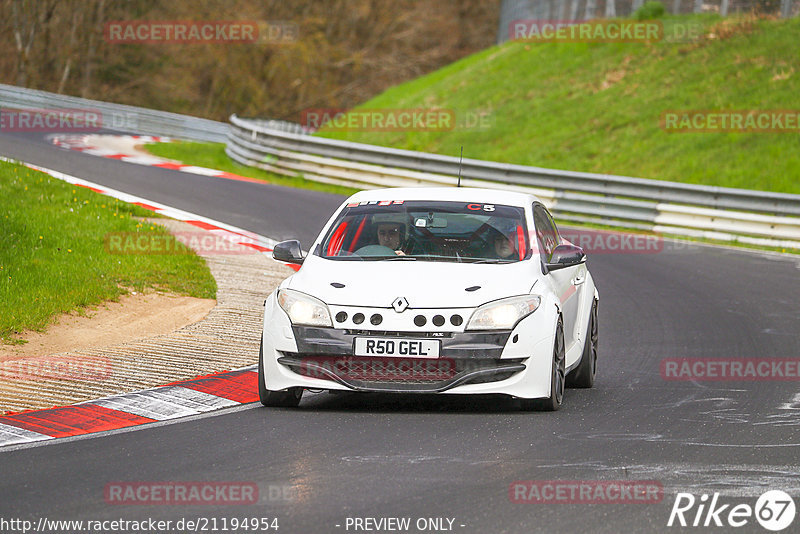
{"points": [[400, 304]]}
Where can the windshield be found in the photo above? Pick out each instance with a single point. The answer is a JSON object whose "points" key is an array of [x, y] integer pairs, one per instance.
{"points": [[427, 231]]}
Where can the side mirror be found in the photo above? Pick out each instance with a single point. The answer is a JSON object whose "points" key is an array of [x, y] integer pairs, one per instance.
{"points": [[288, 251], [565, 256]]}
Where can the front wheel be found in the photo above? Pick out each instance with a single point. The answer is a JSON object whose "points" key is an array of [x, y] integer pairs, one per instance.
{"points": [[289, 398], [553, 402], [583, 375]]}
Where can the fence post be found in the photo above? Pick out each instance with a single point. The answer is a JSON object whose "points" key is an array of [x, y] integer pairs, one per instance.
{"points": [[591, 7], [786, 7], [676, 7], [573, 12], [723, 9], [636, 5], [561, 9], [698, 6], [611, 9], [538, 10]]}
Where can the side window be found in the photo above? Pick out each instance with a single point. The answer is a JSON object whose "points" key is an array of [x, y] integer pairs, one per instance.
{"points": [[545, 232], [553, 225]]}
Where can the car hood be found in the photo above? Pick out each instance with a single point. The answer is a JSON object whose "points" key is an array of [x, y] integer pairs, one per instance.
{"points": [[424, 284]]}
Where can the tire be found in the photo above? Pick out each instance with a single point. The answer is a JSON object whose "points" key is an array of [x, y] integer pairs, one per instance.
{"points": [[557, 378], [583, 375], [289, 398]]}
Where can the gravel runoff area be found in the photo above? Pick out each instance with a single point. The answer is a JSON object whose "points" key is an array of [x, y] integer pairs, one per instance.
{"points": [[226, 339]]}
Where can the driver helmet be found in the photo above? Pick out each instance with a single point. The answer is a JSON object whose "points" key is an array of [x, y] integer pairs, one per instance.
{"points": [[503, 227], [392, 218]]}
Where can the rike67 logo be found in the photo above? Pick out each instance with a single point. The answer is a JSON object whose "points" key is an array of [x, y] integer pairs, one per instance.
{"points": [[774, 510]]}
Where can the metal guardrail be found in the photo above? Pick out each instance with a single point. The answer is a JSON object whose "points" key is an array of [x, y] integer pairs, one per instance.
{"points": [[751, 217], [118, 117]]}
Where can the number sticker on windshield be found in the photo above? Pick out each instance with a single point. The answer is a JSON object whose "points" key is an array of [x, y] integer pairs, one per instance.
{"points": [[480, 207]]}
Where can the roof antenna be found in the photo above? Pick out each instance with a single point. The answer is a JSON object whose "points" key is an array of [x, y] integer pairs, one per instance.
{"points": [[459, 166]]}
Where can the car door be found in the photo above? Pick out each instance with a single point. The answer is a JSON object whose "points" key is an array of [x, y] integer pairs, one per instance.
{"points": [[565, 282]]}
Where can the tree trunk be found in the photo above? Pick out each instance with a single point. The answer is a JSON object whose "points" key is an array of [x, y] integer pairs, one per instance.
{"points": [[64, 76], [611, 9], [24, 25], [91, 47], [573, 12]]}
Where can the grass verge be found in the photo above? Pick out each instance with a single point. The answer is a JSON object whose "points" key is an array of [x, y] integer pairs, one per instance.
{"points": [[597, 107], [53, 257]]}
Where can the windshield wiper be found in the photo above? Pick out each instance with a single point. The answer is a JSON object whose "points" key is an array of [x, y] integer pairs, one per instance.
{"points": [[396, 258], [437, 257], [493, 260], [349, 257]]}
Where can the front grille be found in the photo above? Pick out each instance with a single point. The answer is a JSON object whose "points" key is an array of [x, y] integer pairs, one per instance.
{"points": [[370, 372]]}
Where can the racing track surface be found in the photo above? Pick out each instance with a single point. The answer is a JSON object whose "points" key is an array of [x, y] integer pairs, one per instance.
{"points": [[386, 456]]}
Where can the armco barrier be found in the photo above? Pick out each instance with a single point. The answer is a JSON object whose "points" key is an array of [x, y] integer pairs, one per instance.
{"points": [[118, 117], [750, 217]]}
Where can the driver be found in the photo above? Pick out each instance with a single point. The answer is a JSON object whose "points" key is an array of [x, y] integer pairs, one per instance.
{"points": [[504, 246], [391, 232], [504, 240], [390, 235]]}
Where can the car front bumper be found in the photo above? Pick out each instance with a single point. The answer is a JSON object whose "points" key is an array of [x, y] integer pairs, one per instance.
{"points": [[515, 362]]}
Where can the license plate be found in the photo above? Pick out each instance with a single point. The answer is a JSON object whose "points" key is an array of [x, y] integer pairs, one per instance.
{"points": [[397, 347]]}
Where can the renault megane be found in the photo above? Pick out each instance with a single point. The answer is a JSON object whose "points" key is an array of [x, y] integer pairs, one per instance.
{"points": [[433, 290]]}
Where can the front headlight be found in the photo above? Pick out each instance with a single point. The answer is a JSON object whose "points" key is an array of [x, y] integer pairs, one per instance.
{"points": [[503, 314], [304, 309]]}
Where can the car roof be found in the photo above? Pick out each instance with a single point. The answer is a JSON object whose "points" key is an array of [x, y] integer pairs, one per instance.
{"points": [[456, 194]]}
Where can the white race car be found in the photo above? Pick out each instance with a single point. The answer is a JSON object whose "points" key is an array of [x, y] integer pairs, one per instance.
{"points": [[433, 290]]}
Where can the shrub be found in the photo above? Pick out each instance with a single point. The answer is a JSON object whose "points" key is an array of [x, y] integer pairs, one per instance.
{"points": [[650, 10]]}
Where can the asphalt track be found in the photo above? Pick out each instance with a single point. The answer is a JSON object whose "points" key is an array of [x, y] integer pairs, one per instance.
{"points": [[387, 456]]}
